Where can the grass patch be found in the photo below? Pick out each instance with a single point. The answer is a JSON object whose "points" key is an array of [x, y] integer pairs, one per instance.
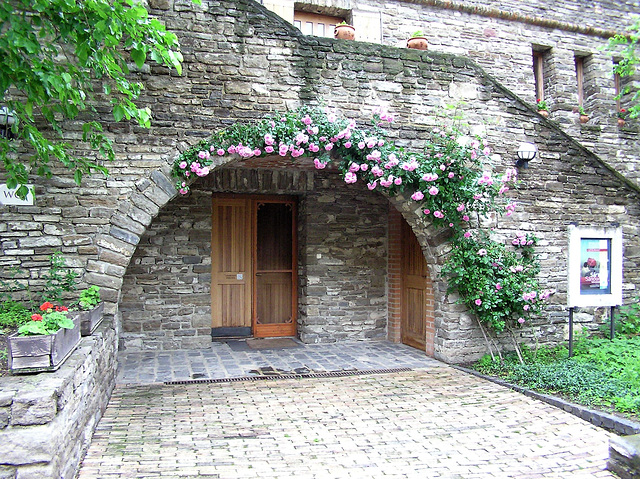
{"points": [[602, 373]]}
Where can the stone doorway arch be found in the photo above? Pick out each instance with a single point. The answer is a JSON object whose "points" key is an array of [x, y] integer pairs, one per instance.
{"points": [[194, 269]]}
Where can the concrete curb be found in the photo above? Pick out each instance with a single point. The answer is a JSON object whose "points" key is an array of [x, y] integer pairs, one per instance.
{"points": [[618, 425]]}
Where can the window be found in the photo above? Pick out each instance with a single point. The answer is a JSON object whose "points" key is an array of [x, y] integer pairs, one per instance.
{"points": [[540, 68], [579, 61], [315, 24], [617, 88]]}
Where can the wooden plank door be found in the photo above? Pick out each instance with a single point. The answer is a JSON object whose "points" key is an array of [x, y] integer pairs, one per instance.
{"points": [[274, 267], [414, 290], [231, 273]]}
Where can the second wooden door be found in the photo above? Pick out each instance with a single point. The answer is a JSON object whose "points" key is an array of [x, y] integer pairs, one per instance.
{"points": [[414, 290]]}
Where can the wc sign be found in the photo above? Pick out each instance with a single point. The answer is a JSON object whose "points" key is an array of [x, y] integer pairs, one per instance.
{"points": [[9, 196]]}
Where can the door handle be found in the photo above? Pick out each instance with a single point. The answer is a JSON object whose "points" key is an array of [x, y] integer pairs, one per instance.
{"points": [[236, 276]]}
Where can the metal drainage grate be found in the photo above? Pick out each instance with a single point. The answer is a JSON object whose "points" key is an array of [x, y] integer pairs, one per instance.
{"points": [[327, 374]]}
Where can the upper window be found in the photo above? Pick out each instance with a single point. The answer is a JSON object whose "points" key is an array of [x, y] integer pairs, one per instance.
{"points": [[579, 61], [540, 60], [315, 24]]}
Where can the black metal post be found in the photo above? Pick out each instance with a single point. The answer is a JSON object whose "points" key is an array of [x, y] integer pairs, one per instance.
{"points": [[613, 329], [570, 332]]}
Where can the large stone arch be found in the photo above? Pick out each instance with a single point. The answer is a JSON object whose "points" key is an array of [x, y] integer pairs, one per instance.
{"points": [[407, 81], [248, 181]]}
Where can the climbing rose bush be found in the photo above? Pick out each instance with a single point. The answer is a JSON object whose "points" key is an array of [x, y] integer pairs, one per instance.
{"points": [[451, 180], [498, 283]]}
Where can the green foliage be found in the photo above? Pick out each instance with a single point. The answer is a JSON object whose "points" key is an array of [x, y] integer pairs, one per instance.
{"points": [[601, 372], [53, 53], [10, 285], [13, 314], [542, 105], [619, 358], [499, 285], [628, 48], [628, 321], [58, 279], [89, 298]]}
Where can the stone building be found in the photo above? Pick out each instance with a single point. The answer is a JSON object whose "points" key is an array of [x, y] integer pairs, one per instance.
{"points": [[339, 255]]}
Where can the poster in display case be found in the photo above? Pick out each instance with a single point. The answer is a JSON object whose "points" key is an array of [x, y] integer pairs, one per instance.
{"points": [[595, 266]]}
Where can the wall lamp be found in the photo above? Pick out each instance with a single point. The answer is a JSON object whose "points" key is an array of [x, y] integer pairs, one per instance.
{"points": [[526, 153], [7, 120]]}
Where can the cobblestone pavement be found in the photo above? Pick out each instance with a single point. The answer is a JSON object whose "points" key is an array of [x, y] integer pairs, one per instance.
{"points": [[431, 422], [235, 359]]}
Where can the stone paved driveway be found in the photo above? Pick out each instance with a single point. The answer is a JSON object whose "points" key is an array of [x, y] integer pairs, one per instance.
{"points": [[428, 423]]}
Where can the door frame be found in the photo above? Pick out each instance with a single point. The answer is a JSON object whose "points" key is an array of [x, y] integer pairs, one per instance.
{"points": [[253, 200], [407, 236]]}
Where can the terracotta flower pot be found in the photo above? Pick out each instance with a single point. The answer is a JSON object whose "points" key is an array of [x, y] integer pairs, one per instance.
{"points": [[417, 43], [544, 113], [344, 32], [584, 118], [621, 122]]}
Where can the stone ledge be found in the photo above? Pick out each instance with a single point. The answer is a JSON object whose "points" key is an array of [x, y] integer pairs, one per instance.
{"points": [[47, 419], [624, 456]]}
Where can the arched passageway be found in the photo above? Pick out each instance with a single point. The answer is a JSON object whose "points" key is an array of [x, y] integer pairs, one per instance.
{"points": [[340, 265]]}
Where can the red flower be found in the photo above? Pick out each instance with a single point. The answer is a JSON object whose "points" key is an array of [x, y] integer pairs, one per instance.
{"points": [[622, 110], [61, 308], [46, 306], [36, 317]]}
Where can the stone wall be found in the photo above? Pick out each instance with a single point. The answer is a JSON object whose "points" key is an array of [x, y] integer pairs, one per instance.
{"points": [[242, 61], [166, 300], [344, 263], [501, 35], [47, 419]]}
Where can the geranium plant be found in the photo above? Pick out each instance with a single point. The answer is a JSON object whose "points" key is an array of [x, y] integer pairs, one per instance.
{"points": [[622, 114], [49, 320], [542, 105], [89, 298]]}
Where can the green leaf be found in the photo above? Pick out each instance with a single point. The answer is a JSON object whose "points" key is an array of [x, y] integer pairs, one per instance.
{"points": [[139, 57], [118, 112]]}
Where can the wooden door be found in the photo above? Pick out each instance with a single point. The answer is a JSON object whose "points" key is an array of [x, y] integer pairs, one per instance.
{"points": [[231, 273], [274, 267], [414, 290]]}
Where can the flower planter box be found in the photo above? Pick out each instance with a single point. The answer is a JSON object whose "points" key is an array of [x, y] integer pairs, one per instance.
{"points": [[90, 320], [30, 354]]}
